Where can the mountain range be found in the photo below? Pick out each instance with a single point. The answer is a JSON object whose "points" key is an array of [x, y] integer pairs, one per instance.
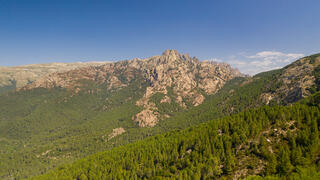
{"points": [[58, 113], [19, 76]]}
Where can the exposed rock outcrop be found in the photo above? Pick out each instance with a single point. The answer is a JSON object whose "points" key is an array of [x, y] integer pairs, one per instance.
{"points": [[147, 117], [185, 75], [116, 132], [166, 99], [189, 79], [295, 82]]}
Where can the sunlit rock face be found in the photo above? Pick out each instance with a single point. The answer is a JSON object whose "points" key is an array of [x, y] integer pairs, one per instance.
{"points": [[188, 79]]}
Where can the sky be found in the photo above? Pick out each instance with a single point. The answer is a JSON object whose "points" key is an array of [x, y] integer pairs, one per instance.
{"points": [[252, 35]]}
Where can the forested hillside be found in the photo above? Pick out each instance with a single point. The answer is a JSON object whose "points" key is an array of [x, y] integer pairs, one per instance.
{"points": [[268, 141], [69, 115], [42, 128]]}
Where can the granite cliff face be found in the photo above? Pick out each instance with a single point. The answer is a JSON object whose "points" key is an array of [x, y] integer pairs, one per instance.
{"points": [[188, 79]]}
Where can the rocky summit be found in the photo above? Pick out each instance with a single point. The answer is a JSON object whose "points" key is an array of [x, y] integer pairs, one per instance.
{"points": [[178, 78]]}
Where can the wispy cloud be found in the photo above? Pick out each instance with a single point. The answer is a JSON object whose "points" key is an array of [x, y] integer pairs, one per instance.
{"points": [[261, 61]]}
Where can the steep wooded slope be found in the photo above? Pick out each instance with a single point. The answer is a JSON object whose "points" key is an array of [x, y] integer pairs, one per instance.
{"points": [[43, 126], [265, 141], [68, 115]]}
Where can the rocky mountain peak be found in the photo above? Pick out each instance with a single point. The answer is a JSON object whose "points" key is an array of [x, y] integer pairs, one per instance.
{"points": [[171, 52], [172, 55], [188, 79]]}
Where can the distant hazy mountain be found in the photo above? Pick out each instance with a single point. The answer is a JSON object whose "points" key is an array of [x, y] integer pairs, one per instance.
{"points": [[19, 76]]}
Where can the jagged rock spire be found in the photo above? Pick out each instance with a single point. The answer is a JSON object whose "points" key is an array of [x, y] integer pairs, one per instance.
{"points": [[170, 52], [171, 55]]}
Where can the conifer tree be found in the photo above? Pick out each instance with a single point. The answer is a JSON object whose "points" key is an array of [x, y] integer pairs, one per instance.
{"points": [[284, 166]]}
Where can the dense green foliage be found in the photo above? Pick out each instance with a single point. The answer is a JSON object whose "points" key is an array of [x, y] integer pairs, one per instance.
{"points": [[279, 139], [44, 128], [64, 125], [310, 173]]}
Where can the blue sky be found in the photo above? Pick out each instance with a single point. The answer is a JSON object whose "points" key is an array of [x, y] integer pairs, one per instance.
{"points": [[249, 34]]}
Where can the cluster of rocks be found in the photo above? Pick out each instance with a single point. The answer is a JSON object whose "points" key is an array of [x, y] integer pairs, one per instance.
{"points": [[116, 132]]}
